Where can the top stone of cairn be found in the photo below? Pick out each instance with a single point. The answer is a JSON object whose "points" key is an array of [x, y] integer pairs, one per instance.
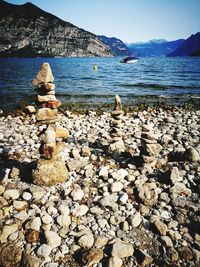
{"points": [[118, 103], [44, 75]]}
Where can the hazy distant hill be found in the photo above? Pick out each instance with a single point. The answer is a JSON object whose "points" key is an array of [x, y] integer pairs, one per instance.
{"points": [[116, 45], [154, 47], [190, 47], [26, 30]]}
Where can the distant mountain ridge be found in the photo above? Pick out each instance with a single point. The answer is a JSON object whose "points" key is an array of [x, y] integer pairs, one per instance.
{"points": [[116, 45], [28, 31], [190, 47], [155, 41], [154, 47]]}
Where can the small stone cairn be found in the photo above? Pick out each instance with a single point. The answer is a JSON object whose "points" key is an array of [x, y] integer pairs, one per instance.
{"points": [[51, 167], [43, 83], [116, 125], [149, 141]]}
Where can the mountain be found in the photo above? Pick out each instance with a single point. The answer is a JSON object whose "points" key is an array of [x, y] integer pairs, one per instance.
{"points": [[190, 47], [196, 54], [157, 41], [28, 31], [154, 47], [116, 45]]}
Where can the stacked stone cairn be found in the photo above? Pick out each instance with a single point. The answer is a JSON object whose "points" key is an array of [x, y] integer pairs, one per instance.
{"points": [[116, 127], [150, 148], [51, 167], [48, 103]]}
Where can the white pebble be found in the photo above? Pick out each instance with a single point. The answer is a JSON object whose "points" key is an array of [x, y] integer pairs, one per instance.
{"points": [[35, 224], [64, 220], [116, 187], [86, 241], [123, 198], [43, 251], [53, 239], [103, 172], [47, 219], [11, 194], [27, 196], [80, 210], [77, 194]]}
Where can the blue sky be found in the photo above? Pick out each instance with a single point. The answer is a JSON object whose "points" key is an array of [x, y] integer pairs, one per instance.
{"points": [[129, 20]]}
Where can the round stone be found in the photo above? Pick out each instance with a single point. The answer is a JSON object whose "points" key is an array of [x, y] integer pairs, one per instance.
{"points": [[47, 219], [26, 196], [64, 220], [43, 251], [35, 224], [53, 239], [86, 241], [11, 194], [77, 194], [80, 211], [116, 187], [115, 262]]}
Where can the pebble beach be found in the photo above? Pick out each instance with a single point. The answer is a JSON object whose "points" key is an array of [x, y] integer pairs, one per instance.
{"points": [[99, 134], [131, 203]]}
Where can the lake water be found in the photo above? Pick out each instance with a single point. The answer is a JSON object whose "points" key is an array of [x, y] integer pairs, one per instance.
{"points": [[174, 80]]}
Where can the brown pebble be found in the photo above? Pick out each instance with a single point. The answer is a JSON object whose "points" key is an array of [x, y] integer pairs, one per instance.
{"points": [[32, 236]]}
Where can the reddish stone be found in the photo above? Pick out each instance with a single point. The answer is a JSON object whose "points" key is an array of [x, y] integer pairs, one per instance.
{"points": [[48, 151], [51, 104]]}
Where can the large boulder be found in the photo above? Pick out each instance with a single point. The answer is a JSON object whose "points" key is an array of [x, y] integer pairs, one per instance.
{"points": [[11, 254], [50, 172]]}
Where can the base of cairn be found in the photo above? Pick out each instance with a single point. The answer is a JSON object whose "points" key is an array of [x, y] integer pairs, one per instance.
{"points": [[50, 172]]}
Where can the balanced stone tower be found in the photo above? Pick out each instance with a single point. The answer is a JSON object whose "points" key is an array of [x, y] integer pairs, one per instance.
{"points": [[150, 148], [116, 127], [48, 103], [51, 167], [116, 123]]}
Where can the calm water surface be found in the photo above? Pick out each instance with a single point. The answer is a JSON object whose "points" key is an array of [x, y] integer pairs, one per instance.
{"points": [[174, 80]]}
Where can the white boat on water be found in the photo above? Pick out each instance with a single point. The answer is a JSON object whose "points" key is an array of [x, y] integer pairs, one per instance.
{"points": [[129, 60]]}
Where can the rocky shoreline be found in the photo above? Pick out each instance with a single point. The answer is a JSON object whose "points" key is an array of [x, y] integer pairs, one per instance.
{"points": [[136, 205]]}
